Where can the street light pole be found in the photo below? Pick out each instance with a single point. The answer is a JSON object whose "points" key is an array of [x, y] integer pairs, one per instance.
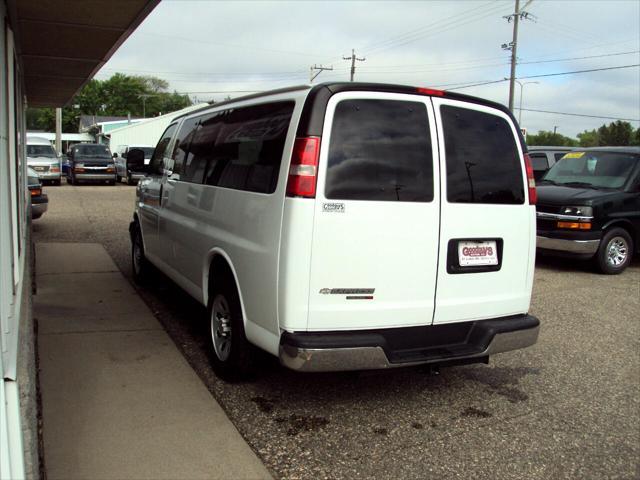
{"points": [[521, 88]]}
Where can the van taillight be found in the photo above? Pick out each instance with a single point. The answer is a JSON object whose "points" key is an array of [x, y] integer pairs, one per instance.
{"points": [[304, 167], [533, 196], [430, 91]]}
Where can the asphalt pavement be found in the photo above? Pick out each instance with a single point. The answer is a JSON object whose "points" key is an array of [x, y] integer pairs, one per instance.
{"points": [[569, 407]]}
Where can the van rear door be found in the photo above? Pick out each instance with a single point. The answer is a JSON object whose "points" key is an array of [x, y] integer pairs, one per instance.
{"points": [[487, 235], [377, 208]]}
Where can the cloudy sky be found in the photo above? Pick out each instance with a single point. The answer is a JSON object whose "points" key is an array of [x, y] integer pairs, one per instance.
{"points": [[211, 49]]}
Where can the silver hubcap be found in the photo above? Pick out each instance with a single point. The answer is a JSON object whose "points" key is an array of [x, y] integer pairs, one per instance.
{"points": [[617, 251], [221, 327]]}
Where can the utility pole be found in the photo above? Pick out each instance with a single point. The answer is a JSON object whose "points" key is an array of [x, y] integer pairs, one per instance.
{"points": [[555, 127], [513, 45], [514, 48], [353, 59], [58, 130], [320, 69], [144, 97]]}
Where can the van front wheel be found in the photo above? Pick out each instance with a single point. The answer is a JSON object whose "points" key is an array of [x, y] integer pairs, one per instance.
{"points": [[232, 357], [614, 254]]}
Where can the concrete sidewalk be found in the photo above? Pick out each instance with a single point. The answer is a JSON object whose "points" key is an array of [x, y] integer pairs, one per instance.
{"points": [[118, 399]]}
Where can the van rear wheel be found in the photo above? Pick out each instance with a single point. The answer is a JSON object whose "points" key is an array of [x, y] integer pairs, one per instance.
{"points": [[139, 263], [232, 358]]}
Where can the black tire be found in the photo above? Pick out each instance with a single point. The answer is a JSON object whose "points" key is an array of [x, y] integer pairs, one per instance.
{"points": [[237, 361], [139, 264], [57, 182], [615, 252]]}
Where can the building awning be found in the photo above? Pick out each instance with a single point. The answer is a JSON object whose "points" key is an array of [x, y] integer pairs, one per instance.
{"points": [[62, 44]]}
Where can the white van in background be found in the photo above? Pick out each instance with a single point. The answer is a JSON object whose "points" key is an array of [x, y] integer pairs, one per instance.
{"points": [[42, 157], [123, 170], [346, 226]]}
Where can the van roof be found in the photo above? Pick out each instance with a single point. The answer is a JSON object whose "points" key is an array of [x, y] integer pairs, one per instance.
{"points": [[37, 141], [313, 118]]}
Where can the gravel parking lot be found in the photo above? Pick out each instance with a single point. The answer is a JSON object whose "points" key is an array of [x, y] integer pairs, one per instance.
{"points": [[568, 407]]}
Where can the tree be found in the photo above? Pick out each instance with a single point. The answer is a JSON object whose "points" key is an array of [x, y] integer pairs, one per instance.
{"points": [[548, 138], [119, 95], [617, 133], [588, 138]]}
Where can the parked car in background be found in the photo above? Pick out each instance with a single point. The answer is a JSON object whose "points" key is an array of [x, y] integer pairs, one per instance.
{"points": [[90, 162], [39, 200], [304, 218], [123, 169], [543, 158], [42, 157], [589, 207]]}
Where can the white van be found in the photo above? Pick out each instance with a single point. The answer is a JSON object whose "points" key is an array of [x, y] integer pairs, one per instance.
{"points": [[42, 157], [123, 170], [346, 226]]}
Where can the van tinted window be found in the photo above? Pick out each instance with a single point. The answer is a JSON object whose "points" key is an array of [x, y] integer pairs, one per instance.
{"points": [[483, 165], [248, 147], [201, 149], [156, 164], [41, 151], [539, 161], [181, 146], [92, 150], [380, 150]]}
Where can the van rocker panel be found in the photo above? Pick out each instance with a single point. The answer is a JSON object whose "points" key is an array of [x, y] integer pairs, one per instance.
{"points": [[398, 347]]}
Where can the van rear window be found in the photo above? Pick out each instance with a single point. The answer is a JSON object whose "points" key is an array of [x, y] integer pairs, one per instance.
{"points": [[380, 150], [483, 165]]}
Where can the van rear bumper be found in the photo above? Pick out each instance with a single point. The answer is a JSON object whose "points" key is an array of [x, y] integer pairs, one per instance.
{"points": [[399, 347]]}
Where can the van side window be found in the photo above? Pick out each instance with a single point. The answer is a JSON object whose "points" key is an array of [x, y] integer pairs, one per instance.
{"points": [[155, 164], [380, 150], [483, 165], [181, 146], [539, 161], [249, 147], [201, 149]]}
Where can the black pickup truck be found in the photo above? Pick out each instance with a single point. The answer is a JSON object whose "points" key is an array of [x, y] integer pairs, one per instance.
{"points": [[589, 207]]}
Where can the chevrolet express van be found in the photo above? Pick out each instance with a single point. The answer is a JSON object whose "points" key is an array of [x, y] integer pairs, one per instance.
{"points": [[346, 226], [42, 157]]}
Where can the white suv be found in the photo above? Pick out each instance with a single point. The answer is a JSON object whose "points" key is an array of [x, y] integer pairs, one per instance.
{"points": [[346, 226]]}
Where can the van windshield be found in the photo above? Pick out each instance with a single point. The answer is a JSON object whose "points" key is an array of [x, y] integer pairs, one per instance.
{"points": [[93, 151], [41, 151], [592, 170]]}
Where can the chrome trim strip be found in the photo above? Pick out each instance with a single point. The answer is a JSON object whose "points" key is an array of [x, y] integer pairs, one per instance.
{"points": [[372, 358], [95, 176], [557, 216], [571, 246]]}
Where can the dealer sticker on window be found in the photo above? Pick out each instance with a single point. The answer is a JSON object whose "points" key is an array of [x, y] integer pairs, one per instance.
{"points": [[477, 253]]}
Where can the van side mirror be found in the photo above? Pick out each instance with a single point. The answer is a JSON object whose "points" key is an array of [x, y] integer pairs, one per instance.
{"points": [[135, 161], [115, 155]]}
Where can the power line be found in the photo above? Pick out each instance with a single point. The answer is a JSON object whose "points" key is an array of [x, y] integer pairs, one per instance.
{"points": [[440, 29], [416, 33], [541, 76], [579, 115], [229, 45], [579, 58]]}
